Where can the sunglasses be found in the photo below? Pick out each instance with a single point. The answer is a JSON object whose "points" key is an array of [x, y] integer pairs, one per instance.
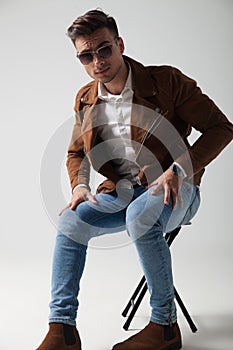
{"points": [[103, 52]]}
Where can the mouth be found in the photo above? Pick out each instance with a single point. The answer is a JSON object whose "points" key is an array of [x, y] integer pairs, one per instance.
{"points": [[102, 71]]}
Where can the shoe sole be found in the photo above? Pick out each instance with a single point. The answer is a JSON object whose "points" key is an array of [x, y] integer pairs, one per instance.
{"points": [[174, 346]]}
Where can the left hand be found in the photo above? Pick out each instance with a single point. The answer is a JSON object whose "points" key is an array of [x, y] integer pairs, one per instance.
{"points": [[171, 183]]}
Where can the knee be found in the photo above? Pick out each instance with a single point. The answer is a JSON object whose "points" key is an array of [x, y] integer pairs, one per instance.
{"points": [[135, 223], [143, 224], [132, 212], [73, 227], [71, 218], [67, 222]]}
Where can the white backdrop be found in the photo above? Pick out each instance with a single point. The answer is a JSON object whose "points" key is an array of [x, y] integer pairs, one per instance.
{"points": [[39, 77]]}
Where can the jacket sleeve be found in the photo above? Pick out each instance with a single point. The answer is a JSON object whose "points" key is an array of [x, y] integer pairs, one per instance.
{"points": [[199, 111], [78, 165]]}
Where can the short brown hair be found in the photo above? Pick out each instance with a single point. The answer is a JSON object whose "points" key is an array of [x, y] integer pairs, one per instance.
{"points": [[90, 22]]}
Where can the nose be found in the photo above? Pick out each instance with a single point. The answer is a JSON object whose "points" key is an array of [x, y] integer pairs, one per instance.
{"points": [[97, 58]]}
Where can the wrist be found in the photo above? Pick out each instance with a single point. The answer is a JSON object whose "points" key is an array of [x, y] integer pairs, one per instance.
{"points": [[177, 170], [80, 185]]}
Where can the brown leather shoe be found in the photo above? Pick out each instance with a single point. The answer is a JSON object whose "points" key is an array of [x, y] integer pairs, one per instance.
{"points": [[153, 337], [61, 337]]}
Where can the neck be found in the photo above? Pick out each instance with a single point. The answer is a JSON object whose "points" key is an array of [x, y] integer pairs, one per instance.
{"points": [[117, 84]]}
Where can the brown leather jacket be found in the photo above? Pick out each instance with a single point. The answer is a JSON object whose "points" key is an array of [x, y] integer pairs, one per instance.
{"points": [[166, 105]]}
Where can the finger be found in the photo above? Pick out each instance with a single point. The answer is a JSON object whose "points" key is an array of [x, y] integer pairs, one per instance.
{"points": [[156, 189], [74, 204], [91, 198], [167, 193], [67, 206], [174, 200], [154, 183], [180, 200]]}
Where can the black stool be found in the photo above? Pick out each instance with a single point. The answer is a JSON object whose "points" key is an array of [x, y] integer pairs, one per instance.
{"points": [[141, 289]]}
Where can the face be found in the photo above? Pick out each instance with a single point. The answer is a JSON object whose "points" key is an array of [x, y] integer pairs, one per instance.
{"points": [[104, 70]]}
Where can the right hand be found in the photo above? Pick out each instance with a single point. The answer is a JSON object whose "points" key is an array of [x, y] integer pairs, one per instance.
{"points": [[81, 194]]}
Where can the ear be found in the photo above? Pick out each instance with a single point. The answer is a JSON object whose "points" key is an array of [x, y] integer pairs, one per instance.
{"points": [[121, 45]]}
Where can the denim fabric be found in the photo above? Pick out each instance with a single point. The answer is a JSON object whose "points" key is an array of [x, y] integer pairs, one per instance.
{"points": [[146, 219]]}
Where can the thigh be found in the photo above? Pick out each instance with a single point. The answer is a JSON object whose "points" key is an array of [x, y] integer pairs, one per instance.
{"points": [[91, 220], [144, 213], [109, 212], [148, 211], [191, 202]]}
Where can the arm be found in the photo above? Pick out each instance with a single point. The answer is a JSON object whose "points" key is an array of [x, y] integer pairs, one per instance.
{"points": [[199, 111], [78, 168], [78, 165]]}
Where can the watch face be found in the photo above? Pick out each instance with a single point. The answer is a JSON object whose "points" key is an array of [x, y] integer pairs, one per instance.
{"points": [[175, 169]]}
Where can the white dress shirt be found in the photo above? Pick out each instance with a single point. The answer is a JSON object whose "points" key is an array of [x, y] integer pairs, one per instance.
{"points": [[115, 129]]}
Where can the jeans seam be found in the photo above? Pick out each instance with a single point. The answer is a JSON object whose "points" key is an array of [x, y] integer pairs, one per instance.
{"points": [[73, 287]]}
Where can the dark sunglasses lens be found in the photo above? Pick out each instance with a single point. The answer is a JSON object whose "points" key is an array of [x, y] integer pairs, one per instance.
{"points": [[105, 52], [85, 58]]}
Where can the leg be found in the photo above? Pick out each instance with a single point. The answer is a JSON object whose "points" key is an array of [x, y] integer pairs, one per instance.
{"points": [[68, 264], [155, 258], [147, 219], [75, 229]]}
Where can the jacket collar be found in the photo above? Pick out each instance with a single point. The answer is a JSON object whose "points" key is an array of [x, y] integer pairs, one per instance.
{"points": [[143, 84]]}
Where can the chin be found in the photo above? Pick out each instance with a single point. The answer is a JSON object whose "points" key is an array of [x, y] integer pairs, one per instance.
{"points": [[103, 80]]}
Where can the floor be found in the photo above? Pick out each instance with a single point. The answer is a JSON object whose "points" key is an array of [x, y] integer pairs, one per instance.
{"points": [[25, 296]]}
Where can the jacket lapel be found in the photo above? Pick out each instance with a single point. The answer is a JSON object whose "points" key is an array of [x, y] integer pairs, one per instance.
{"points": [[143, 113]]}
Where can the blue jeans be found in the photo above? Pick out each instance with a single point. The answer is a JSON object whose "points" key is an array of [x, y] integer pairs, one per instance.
{"points": [[146, 219]]}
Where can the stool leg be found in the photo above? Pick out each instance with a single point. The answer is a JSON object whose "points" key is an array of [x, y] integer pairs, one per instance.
{"points": [[169, 237], [133, 297], [178, 299], [142, 286], [135, 307], [185, 312]]}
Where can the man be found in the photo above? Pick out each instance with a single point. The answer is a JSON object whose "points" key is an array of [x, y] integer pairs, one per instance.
{"points": [[132, 124]]}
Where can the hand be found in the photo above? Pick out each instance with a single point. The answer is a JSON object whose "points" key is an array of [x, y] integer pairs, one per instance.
{"points": [[171, 184], [81, 194]]}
